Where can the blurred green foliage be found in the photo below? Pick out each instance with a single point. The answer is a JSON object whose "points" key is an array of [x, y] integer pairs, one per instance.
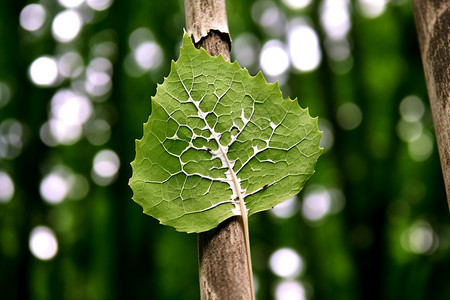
{"points": [[372, 223]]}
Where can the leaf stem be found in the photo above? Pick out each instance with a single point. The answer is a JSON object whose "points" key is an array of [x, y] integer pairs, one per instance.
{"points": [[244, 216]]}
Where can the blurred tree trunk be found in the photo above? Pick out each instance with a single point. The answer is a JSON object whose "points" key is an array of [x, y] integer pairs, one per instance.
{"points": [[433, 28], [222, 251]]}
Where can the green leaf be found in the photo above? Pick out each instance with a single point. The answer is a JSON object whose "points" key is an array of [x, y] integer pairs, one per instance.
{"points": [[217, 133]]}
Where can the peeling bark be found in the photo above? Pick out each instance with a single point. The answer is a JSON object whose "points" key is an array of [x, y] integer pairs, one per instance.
{"points": [[202, 16]]}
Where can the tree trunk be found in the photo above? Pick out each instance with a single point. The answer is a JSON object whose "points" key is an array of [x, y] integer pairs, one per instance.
{"points": [[223, 262], [433, 28]]}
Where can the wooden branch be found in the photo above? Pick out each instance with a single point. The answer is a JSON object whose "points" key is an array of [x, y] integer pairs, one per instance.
{"points": [[223, 262], [433, 28], [224, 267], [203, 16]]}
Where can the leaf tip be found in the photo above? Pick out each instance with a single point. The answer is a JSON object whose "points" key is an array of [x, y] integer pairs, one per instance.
{"points": [[277, 85], [187, 40]]}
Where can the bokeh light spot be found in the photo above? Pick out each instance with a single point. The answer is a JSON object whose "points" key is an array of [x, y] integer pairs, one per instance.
{"points": [[268, 15], [372, 8], [420, 238], [32, 17], [66, 25], [338, 50], [286, 262], [148, 55], [286, 209], [98, 75], [43, 243], [11, 138], [6, 187], [273, 21], [274, 60], [99, 4], [44, 71], [70, 3], [335, 18], [316, 204], [71, 108], [98, 132], [105, 167], [70, 65], [100, 64], [54, 188], [79, 187], [138, 36], [349, 116], [56, 132], [106, 49], [290, 290], [98, 83], [409, 131], [412, 108], [5, 94], [304, 48], [421, 148], [296, 4], [245, 49]]}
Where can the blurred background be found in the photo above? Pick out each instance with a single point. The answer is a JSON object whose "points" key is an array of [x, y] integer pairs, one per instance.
{"points": [[76, 77]]}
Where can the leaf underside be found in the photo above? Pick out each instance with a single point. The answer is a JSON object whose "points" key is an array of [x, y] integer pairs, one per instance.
{"points": [[212, 122]]}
